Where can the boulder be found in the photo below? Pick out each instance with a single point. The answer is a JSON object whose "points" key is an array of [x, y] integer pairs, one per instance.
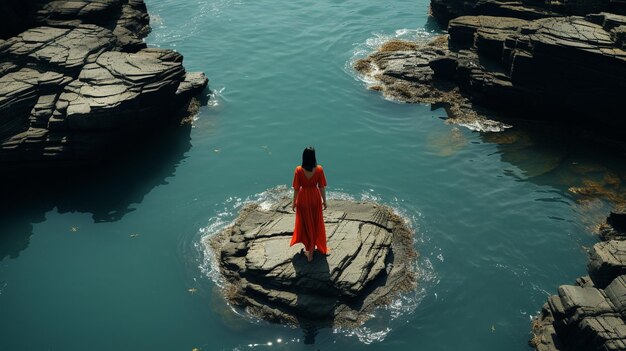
{"points": [[371, 260], [119, 89], [18, 95]]}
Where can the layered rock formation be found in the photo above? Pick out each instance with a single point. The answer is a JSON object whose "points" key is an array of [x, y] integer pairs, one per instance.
{"points": [[371, 259], [445, 10], [569, 69], [79, 83], [590, 315]]}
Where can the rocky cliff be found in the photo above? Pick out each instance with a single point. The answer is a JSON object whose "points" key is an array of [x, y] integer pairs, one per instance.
{"points": [[77, 82]]}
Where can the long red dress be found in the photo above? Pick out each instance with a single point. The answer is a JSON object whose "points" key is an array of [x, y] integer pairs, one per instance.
{"points": [[309, 229]]}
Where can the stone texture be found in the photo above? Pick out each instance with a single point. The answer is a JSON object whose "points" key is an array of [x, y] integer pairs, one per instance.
{"points": [[59, 49], [127, 19], [371, 259], [606, 261], [79, 84], [119, 89]]}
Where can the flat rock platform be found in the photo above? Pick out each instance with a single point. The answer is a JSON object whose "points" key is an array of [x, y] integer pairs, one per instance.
{"points": [[372, 259]]}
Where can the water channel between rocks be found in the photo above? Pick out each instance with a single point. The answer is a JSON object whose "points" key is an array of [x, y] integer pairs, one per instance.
{"points": [[120, 265]]}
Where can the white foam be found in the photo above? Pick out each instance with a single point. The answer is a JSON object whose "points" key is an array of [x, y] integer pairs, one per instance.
{"points": [[216, 96], [486, 125]]}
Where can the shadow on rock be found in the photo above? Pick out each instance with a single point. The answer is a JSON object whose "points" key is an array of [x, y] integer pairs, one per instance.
{"points": [[316, 296]]}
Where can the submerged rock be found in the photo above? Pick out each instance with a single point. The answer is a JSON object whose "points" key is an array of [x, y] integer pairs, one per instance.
{"points": [[371, 260]]}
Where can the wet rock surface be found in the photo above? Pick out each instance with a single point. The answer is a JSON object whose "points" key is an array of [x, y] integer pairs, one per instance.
{"points": [[78, 83], [371, 260]]}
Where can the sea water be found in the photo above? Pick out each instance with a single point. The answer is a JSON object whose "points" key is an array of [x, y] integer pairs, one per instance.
{"points": [[117, 263]]}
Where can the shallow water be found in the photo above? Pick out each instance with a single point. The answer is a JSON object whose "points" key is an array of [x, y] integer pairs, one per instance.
{"points": [[116, 263]]}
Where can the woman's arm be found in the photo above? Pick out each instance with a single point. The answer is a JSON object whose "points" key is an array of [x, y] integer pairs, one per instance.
{"points": [[295, 196], [323, 192]]}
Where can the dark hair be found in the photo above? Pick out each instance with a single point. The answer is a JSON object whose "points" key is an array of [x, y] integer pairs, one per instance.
{"points": [[308, 159]]}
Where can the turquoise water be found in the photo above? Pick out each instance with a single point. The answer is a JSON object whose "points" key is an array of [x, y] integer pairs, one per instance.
{"points": [[116, 262]]}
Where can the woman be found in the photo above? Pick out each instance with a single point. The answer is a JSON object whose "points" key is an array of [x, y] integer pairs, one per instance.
{"points": [[309, 197]]}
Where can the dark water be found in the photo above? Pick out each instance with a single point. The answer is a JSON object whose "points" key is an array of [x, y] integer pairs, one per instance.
{"points": [[114, 261]]}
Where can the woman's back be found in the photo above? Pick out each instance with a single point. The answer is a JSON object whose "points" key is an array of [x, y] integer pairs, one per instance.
{"points": [[308, 201]]}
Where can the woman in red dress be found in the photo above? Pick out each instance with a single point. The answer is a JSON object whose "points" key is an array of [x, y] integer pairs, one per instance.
{"points": [[309, 197]]}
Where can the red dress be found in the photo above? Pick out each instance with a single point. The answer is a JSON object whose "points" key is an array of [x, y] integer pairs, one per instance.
{"points": [[309, 228]]}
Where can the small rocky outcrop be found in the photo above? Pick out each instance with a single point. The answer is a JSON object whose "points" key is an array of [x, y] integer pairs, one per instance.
{"points": [[78, 84], [404, 71], [371, 260]]}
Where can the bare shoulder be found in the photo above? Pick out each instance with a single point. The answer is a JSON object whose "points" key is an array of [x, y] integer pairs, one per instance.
{"points": [[320, 167]]}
